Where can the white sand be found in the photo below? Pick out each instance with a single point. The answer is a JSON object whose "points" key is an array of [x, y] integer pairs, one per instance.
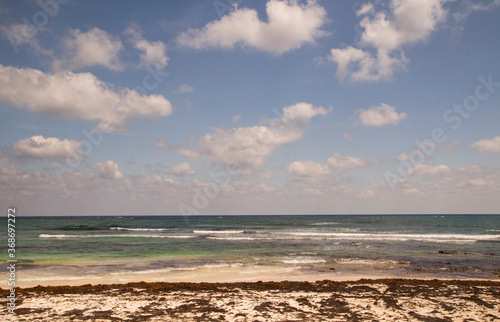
{"points": [[380, 301]]}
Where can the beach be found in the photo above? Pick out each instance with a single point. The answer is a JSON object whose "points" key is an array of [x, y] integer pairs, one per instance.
{"points": [[361, 300]]}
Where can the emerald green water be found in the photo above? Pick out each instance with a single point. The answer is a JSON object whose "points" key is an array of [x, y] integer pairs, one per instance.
{"points": [[404, 244]]}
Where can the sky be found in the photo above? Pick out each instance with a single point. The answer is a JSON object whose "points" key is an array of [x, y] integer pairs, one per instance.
{"points": [[237, 107]]}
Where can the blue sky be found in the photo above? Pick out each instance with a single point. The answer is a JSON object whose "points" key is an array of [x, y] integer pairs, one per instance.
{"points": [[261, 107]]}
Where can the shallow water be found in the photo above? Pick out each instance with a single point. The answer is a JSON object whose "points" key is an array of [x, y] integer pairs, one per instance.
{"points": [[190, 247]]}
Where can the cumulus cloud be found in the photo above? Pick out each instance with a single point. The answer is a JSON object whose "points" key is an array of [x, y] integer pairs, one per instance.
{"points": [[380, 116], [300, 113], [359, 65], [250, 147], [304, 170], [22, 35], [310, 170], [91, 48], [8, 171], [409, 22], [39, 147], [463, 182], [78, 95], [423, 169], [365, 9], [153, 53], [339, 162], [107, 170], [184, 88], [182, 169], [290, 25], [488, 145]]}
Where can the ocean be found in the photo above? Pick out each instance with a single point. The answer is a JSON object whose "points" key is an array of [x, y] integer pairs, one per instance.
{"points": [[52, 250]]}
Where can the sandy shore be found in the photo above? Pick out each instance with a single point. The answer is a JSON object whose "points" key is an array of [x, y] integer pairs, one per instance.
{"points": [[380, 300]]}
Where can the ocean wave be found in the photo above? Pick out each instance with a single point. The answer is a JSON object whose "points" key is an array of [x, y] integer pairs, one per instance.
{"points": [[78, 227], [139, 229], [237, 238], [61, 236], [304, 260], [179, 236], [342, 236], [398, 237], [323, 223], [332, 232], [302, 253], [207, 232], [365, 261], [155, 271]]}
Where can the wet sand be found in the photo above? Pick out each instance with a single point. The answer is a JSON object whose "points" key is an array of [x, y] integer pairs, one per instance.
{"points": [[362, 300]]}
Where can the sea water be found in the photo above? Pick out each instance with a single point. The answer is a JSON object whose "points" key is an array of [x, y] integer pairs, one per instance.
{"points": [[228, 247]]}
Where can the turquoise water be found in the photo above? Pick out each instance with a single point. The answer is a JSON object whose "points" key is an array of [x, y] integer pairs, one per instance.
{"points": [[449, 246]]}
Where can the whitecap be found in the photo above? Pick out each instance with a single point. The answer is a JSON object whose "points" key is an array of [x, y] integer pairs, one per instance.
{"points": [[206, 232], [139, 229], [60, 236]]}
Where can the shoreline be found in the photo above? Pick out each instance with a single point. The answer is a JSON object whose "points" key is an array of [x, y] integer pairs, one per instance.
{"points": [[237, 276], [317, 285], [364, 299]]}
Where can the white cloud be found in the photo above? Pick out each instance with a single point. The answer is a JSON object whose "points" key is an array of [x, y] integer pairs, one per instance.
{"points": [[184, 88], [409, 22], [8, 171], [360, 66], [39, 147], [423, 169], [236, 118], [290, 25], [365, 9], [107, 170], [154, 53], [310, 170], [91, 48], [380, 116], [182, 169], [160, 143], [461, 182], [478, 182], [348, 136], [471, 189], [304, 170], [23, 35], [404, 156], [339, 162], [301, 113], [249, 147], [488, 145], [82, 95], [466, 8]]}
